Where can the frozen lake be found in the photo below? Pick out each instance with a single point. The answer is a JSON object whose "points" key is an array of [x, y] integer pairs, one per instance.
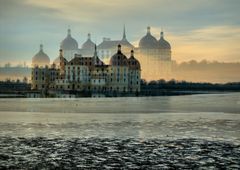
{"points": [[194, 122], [199, 116]]}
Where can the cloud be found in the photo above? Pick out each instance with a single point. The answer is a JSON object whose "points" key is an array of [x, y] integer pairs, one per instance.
{"points": [[212, 43], [165, 11], [195, 29]]}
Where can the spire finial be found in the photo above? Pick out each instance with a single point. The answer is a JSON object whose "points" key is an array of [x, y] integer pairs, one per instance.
{"points": [[60, 53], [124, 32], [69, 31], [162, 34], [132, 53], [148, 29], [41, 47], [119, 48], [89, 36], [95, 55], [95, 50]]}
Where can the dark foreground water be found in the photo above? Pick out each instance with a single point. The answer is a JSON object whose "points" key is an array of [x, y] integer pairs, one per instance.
{"points": [[102, 153], [177, 132]]}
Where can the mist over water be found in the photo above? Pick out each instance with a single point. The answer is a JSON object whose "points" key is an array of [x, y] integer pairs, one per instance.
{"points": [[222, 102]]}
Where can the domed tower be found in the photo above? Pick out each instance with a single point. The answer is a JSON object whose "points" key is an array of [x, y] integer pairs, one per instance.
{"points": [[118, 72], [88, 47], [40, 59], [133, 63], [164, 48], [62, 62], [119, 59], [134, 76], [69, 46]]}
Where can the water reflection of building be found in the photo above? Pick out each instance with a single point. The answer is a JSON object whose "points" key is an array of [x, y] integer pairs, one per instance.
{"points": [[40, 59], [88, 47], [107, 47], [155, 56], [69, 46]]}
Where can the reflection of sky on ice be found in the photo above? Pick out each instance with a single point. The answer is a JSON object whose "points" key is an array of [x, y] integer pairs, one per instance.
{"points": [[196, 116], [165, 125]]}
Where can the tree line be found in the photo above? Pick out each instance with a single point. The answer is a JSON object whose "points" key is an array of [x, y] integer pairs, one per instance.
{"points": [[174, 87]]}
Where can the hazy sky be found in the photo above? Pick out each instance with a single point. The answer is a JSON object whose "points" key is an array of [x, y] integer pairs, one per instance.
{"points": [[203, 29]]}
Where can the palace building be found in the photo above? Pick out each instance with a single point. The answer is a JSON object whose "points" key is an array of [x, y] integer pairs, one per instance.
{"points": [[90, 75], [84, 69]]}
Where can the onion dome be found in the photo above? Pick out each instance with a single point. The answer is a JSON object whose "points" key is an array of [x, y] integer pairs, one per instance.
{"points": [[133, 63], [40, 59], [163, 44], [119, 59], [69, 43], [148, 41], [88, 45]]}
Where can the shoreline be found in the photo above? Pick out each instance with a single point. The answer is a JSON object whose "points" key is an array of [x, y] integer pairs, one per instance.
{"points": [[162, 93]]}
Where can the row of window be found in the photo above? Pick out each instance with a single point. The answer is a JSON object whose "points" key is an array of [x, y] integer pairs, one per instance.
{"points": [[78, 87], [43, 73], [94, 88], [99, 80]]}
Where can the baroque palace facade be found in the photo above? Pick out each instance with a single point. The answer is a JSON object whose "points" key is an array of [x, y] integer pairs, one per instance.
{"points": [[89, 76]]}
